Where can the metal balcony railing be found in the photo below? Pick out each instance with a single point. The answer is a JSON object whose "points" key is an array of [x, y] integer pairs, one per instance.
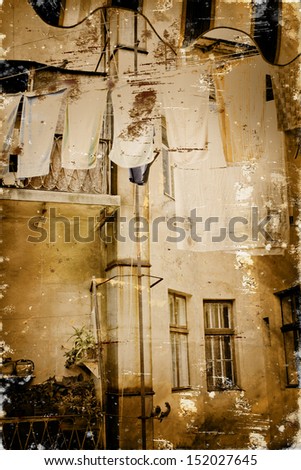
{"points": [[92, 181], [68, 432]]}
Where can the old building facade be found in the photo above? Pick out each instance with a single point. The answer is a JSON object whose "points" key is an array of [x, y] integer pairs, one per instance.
{"points": [[158, 231]]}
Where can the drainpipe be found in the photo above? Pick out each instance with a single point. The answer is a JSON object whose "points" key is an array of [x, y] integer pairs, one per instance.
{"points": [[140, 317], [97, 336]]}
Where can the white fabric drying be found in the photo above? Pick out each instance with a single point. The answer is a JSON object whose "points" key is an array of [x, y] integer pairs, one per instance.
{"points": [[82, 127], [134, 109], [240, 92], [8, 113], [231, 201], [184, 97], [38, 124]]}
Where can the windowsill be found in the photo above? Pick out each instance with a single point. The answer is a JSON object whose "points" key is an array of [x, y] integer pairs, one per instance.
{"points": [[223, 390], [180, 389]]}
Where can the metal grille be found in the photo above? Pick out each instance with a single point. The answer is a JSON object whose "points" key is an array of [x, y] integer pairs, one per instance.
{"points": [[66, 432], [93, 181]]}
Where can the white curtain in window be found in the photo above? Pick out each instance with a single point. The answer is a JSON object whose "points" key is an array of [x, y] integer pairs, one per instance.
{"points": [[8, 114], [38, 125]]}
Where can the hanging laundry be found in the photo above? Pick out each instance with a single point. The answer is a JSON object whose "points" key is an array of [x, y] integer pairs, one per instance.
{"points": [[272, 184], [38, 124], [219, 208], [240, 92], [134, 108], [82, 127], [184, 97], [139, 175], [8, 113], [287, 91], [215, 145]]}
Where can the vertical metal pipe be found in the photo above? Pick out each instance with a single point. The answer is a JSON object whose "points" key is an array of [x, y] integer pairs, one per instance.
{"points": [[140, 319], [97, 331], [136, 42]]}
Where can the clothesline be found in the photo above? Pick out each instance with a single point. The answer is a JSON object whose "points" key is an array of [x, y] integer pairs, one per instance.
{"points": [[181, 95], [178, 62]]}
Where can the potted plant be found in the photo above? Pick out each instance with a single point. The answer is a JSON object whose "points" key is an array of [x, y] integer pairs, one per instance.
{"points": [[84, 347]]}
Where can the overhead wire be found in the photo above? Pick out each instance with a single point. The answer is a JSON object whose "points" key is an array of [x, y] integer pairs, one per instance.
{"points": [[102, 24], [145, 71], [103, 8]]}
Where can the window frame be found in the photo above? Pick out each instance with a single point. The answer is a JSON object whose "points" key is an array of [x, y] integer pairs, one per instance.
{"points": [[179, 331], [221, 333], [291, 355], [168, 169]]}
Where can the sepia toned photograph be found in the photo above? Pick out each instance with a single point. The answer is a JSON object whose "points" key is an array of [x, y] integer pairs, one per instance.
{"points": [[150, 225]]}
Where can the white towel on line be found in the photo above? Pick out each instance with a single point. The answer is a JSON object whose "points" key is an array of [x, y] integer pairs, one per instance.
{"points": [[38, 125], [8, 113], [235, 199], [184, 97], [134, 108], [82, 128], [240, 93]]}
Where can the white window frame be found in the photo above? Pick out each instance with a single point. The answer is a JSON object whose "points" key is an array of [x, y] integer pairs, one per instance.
{"points": [[179, 341], [168, 169], [219, 345]]}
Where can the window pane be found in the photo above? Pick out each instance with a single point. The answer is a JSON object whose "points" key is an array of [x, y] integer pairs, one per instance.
{"points": [[166, 171], [180, 306], [172, 314], [180, 366], [211, 315], [217, 315], [168, 174], [287, 309], [226, 322], [175, 378], [219, 362], [227, 347], [291, 345], [177, 309], [183, 361], [291, 316]]}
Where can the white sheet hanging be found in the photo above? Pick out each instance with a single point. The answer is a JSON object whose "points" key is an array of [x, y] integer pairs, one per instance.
{"points": [[184, 96], [82, 127], [134, 109], [228, 204], [240, 92], [8, 113], [38, 124], [287, 92], [215, 144]]}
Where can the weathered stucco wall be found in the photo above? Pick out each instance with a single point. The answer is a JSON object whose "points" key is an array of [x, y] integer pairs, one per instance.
{"points": [[47, 282]]}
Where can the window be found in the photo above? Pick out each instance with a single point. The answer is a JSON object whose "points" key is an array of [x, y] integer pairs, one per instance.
{"points": [[219, 334], [49, 10], [291, 328], [269, 95], [179, 341], [168, 171]]}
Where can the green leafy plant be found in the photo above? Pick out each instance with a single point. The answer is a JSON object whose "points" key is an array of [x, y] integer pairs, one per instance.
{"points": [[84, 347]]}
